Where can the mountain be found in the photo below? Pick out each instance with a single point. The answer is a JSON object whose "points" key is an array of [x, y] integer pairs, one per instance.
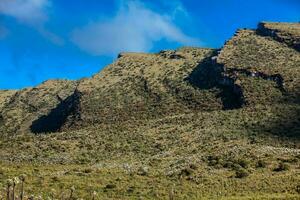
{"points": [[195, 118]]}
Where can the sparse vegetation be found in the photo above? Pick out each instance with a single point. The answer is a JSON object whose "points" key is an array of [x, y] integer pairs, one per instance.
{"points": [[161, 126]]}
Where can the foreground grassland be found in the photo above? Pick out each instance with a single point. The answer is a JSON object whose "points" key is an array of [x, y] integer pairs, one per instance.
{"points": [[188, 156], [113, 182]]}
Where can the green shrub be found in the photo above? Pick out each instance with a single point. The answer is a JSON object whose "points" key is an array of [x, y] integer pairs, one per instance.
{"points": [[88, 170], [261, 164], [143, 171], [1, 172], [55, 178], [215, 161], [241, 173], [243, 163], [282, 167], [228, 164], [298, 188], [186, 171], [236, 164], [110, 186]]}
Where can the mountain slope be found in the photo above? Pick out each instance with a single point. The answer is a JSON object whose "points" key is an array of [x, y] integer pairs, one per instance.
{"points": [[144, 85], [254, 67], [288, 33], [183, 123], [21, 108], [135, 86], [270, 68]]}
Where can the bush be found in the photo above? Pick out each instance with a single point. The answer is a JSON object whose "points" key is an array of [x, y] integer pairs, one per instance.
{"points": [[261, 164], [243, 163], [236, 164], [110, 186], [186, 172], [241, 173], [87, 170], [55, 178], [1, 172], [228, 164], [282, 167], [143, 171], [215, 161]]}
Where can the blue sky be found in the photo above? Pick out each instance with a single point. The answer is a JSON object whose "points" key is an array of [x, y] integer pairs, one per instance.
{"points": [[49, 39]]}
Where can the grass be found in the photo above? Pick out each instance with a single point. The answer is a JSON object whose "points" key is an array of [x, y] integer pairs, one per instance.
{"points": [[113, 182]]}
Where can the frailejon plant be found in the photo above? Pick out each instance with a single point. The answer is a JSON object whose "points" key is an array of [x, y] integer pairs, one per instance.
{"points": [[72, 190], [9, 183], [22, 179]]}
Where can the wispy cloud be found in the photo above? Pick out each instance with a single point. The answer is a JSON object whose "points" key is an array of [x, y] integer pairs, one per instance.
{"points": [[32, 13], [134, 28], [27, 11], [177, 8]]}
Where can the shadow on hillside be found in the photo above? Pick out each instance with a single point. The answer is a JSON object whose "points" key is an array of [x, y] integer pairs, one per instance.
{"points": [[287, 122], [288, 125], [276, 35], [1, 120], [67, 111], [208, 75]]}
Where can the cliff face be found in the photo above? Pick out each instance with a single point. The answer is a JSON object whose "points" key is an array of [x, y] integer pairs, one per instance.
{"points": [[255, 67]]}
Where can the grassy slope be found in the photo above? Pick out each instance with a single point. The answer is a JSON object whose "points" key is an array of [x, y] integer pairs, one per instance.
{"points": [[289, 33], [24, 106], [144, 86], [185, 143], [247, 50]]}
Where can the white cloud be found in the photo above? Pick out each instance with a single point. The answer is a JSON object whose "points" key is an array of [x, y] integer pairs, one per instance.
{"points": [[32, 13], [134, 28], [27, 11], [177, 8]]}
